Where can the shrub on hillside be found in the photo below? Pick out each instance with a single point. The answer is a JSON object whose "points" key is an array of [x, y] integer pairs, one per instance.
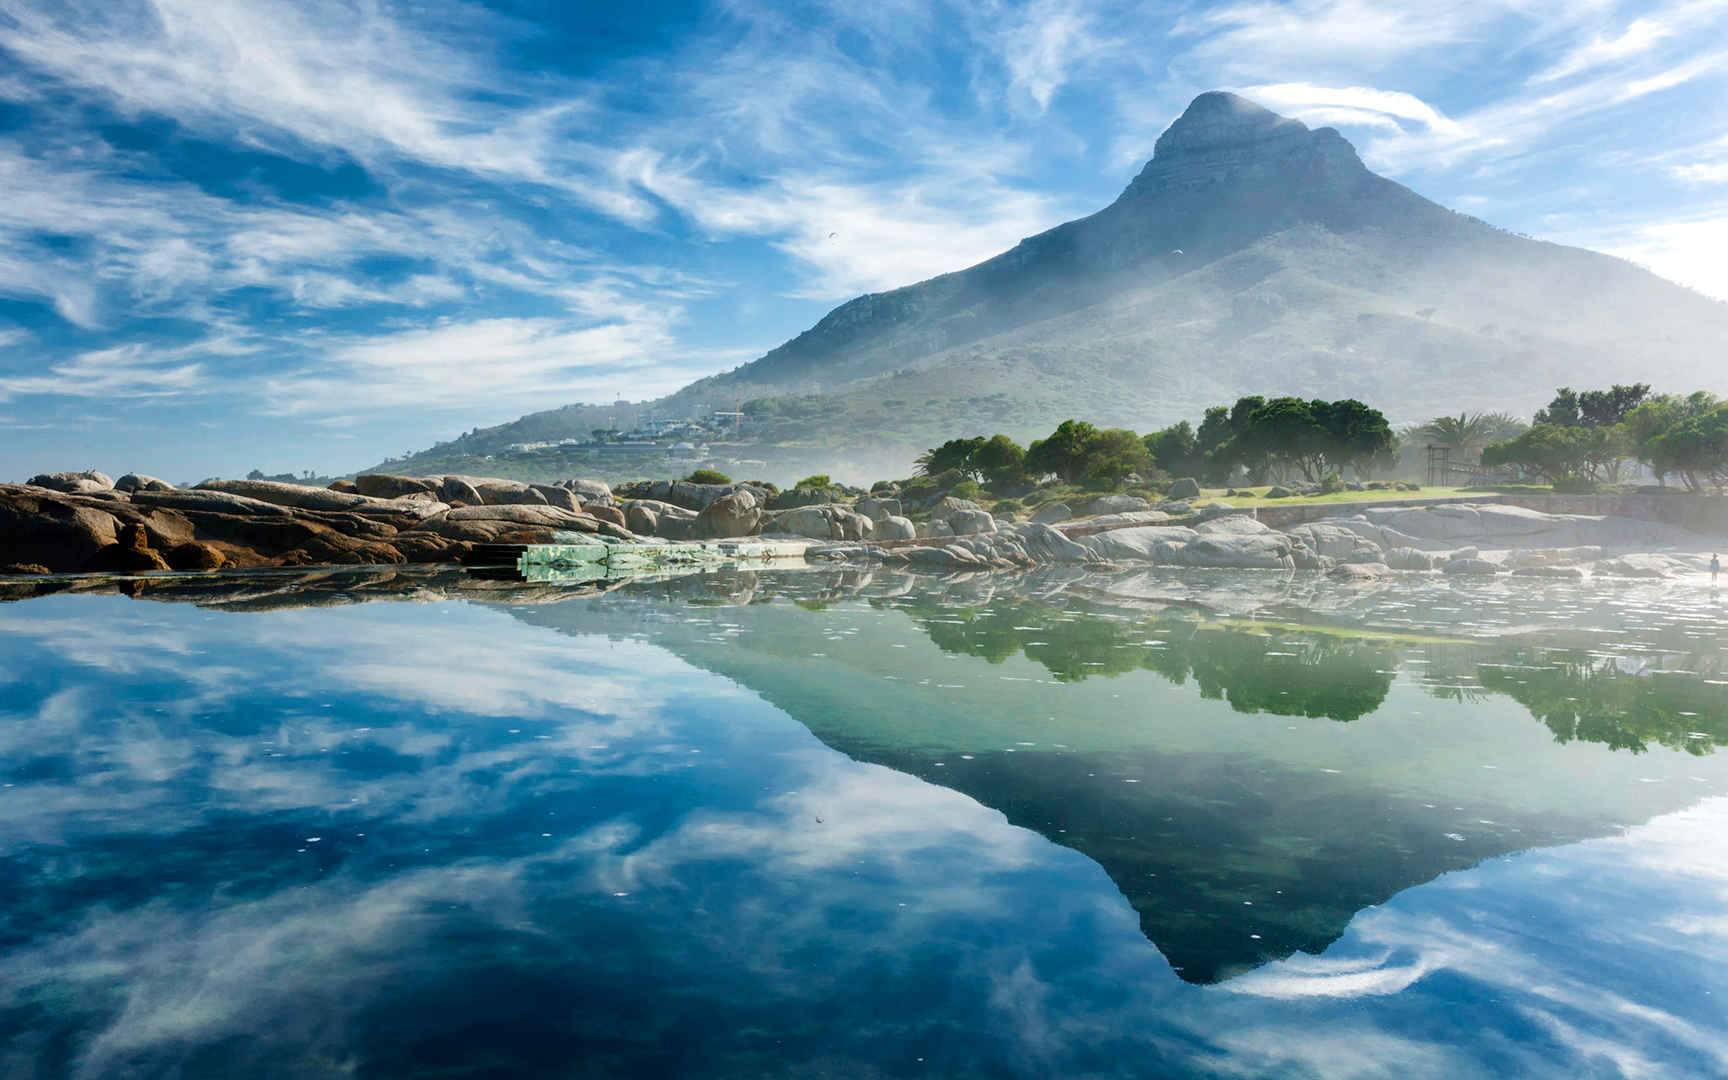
{"points": [[708, 476]]}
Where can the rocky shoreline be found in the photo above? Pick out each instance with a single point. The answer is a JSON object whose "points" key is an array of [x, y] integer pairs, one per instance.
{"points": [[1456, 539], [87, 523], [83, 522]]}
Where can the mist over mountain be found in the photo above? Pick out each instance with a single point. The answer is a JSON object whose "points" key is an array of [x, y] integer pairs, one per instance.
{"points": [[1250, 255]]}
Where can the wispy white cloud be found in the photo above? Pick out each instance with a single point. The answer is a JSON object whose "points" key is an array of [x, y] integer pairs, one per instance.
{"points": [[493, 365], [827, 144], [1637, 38], [1715, 172], [1042, 44], [126, 371], [1305, 100]]}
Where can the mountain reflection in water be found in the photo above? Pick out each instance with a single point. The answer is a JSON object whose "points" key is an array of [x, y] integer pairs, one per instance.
{"points": [[406, 838]]}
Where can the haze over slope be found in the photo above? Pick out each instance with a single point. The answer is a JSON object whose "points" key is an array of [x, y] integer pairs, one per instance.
{"points": [[1251, 255]]}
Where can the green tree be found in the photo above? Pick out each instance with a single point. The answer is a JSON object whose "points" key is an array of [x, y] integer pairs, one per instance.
{"points": [[1658, 416], [1607, 408], [1286, 431], [1562, 411], [1697, 448], [1356, 436], [1239, 447], [1209, 442], [1114, 453], [955, 454], [1176, 449], [1593, 408], [1001, 461], [1568, 455], [1063, 453]]}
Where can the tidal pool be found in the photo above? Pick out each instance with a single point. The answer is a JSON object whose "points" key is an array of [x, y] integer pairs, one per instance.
{"points": [[825, 823]]}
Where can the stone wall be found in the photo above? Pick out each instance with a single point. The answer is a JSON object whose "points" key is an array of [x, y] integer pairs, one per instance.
{"points": [[1706, 514], [1283, 517]]}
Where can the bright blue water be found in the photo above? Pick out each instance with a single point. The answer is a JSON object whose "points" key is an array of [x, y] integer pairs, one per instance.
{"points": [[602, 837]]}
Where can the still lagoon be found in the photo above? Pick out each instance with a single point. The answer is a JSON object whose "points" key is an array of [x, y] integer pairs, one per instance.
{"points": [[829, 823]]}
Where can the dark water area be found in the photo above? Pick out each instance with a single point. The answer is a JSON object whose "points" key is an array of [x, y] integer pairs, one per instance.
{"points": [[838, 824]]}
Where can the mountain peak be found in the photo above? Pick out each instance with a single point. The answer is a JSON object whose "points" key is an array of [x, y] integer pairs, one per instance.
{"points": [[1221, 134], [1220, 118]]}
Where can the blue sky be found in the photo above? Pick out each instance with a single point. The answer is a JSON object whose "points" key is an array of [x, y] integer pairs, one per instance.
{"points": [[239, 233]]}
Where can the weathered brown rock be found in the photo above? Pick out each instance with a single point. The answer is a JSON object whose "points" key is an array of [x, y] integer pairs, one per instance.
{"points": [[73, 483], [729, 516], [301, 497], [430, 547], [140, 482], [197, 555], [346, 487], [591, 491], [559, 496], [130, 553], [297, 496], [526, 515], [387, 486], [454, 489], [492, 491], [608, 513], [220, 502], [23, 568], [40, 527], [639, 519]]}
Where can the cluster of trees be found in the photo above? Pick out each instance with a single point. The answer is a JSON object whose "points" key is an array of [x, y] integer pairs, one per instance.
{"points": [[1266, 438], [1580, 440], [1275, 438], [1583, 439], [1076, 452]]}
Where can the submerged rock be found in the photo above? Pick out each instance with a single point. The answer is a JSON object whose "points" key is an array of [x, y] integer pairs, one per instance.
{"points": [[1471, 567], [1566, 573], [1364, 571]]}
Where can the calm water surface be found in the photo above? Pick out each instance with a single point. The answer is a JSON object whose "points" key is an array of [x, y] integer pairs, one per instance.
{"points": [[830, 824]]}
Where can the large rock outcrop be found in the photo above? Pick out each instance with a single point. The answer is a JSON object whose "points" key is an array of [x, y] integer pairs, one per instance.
{"points": [[737, 514]]}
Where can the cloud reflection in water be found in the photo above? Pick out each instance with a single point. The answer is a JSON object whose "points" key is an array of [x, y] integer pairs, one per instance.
{"points": [[535, 849]]}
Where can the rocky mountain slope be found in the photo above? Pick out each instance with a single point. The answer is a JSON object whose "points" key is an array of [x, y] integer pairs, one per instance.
{"points": [[1250, 255]]}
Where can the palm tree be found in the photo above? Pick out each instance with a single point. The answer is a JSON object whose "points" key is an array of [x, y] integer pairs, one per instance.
{"points": [[1467, 434]]}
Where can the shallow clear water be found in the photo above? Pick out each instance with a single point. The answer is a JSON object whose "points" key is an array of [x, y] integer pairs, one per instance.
{"points": [[824, 823]]}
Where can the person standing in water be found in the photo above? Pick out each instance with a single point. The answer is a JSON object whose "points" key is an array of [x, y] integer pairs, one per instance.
{"points": [[1715, 567]]}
